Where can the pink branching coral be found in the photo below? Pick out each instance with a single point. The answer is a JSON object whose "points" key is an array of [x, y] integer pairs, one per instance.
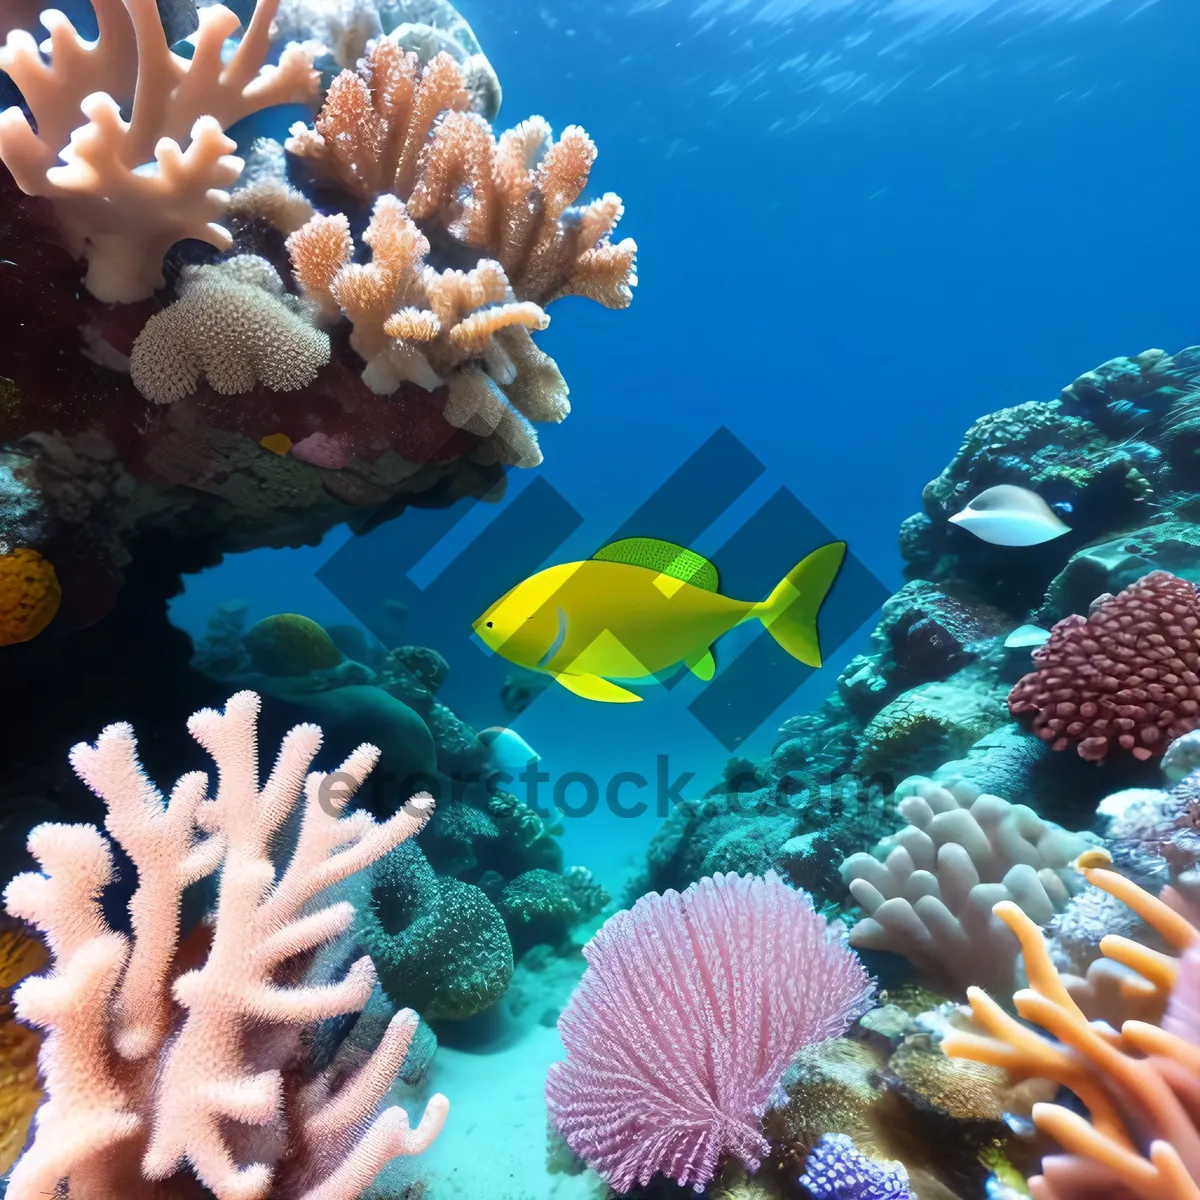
{"points": [[1127, 675], [402, 129], [115, 212], [149, 1071], [689, 1012], [1140, 1086]]}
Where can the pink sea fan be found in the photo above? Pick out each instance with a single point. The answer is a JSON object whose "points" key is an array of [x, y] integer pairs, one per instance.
{"points": [[691, 1008]]}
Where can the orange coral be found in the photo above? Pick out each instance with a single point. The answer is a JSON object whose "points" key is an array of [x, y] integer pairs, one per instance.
{"points": [[461, 329], [1141, 1086], [396, 128], [29, 595], [21, 954]]}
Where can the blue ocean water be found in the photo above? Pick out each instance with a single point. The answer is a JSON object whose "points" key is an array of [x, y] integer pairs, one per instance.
{"points": [[860, 226]]}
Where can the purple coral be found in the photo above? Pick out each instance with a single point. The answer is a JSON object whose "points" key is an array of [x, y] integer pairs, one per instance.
{"points": [[691, 1007], [836, 1170]]}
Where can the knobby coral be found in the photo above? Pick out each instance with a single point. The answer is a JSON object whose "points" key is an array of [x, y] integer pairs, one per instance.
{"points": [[147, 1069], [928, 891], [116, 211], [689, 1011], [1127, 675], [1139, 1085], [462, 329], [837, 1170], [233, 325]]}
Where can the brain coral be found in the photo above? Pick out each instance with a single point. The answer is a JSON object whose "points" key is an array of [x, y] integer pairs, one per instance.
{"points": [[1126, 675], [289, 644], [29, 595]]}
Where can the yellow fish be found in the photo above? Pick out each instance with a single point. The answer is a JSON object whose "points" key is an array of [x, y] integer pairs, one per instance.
{"points": [[640, 607]]}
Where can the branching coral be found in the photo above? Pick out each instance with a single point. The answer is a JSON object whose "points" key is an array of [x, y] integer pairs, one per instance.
{"points": [[1127, 675], [397, 127], [119, 214], [461, 329], [1139, 1086], [233, 325], [929, 890], [148, 1070]]}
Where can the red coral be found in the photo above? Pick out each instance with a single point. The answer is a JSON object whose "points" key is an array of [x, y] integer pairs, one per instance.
{"points": [[1128, 673]]}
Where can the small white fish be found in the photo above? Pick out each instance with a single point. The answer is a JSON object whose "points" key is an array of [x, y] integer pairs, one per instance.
{"points": [[1026, 637], [507, 750], [1010, 516]]}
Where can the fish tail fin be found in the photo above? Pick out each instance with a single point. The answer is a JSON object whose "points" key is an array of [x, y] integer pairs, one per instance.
{"points": [[790, 611]]}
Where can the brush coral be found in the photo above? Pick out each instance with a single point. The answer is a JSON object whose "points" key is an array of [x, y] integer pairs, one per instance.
{"points": [[150, 1071], [461, 329], [118, 212], [233, 325], [1139, 1086], [1127, 676], [691, 1008]]}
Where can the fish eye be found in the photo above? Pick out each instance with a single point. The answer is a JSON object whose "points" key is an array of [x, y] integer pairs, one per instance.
{"points": [[489, 624]]}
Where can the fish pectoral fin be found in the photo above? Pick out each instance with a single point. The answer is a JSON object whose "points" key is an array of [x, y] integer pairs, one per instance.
{"points": [[593, 687], [702, 664]]}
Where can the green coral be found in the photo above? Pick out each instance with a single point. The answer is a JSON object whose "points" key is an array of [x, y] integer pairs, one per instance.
{"points": [[538, 907], [930, 724], [438, 944], [290, 644]]}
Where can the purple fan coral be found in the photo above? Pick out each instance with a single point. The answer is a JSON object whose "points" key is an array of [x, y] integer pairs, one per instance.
{"points": [[691, 1007], [837, 1171]]}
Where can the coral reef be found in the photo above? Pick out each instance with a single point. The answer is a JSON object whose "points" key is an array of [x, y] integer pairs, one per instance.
{"points": [[659, 1076], [121, 1010], [1137, 1085], [444, 920], [928, 891], [263, 432], [121, 217], [1124, 676]]}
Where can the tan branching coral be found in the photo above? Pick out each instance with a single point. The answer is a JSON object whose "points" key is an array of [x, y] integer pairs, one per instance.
{"points": [[1140, 1086], [397, 127], [928, 891], [234, 325], [115, 211], [461, 329], [149, 1071]]}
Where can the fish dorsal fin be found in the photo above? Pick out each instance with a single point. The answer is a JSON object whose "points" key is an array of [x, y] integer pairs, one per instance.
{"points": [[1008, 497], [664, 557]]}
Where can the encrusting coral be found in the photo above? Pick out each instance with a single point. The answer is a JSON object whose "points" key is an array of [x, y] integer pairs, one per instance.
{"points": [[1138, 1085], [233, 325], [463, 329], [148, 1069], [117, 212], [928, 891], [1126, 676]]}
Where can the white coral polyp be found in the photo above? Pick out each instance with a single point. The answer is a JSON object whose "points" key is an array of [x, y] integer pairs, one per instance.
{"points": [[928, 891], [146, 1071]]}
